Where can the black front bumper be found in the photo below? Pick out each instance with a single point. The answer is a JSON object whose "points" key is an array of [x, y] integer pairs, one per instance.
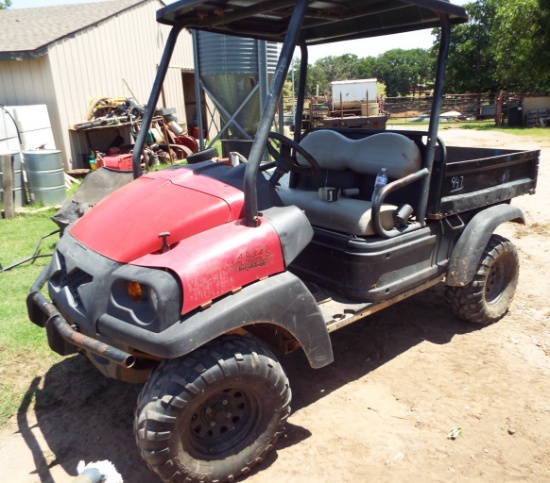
{"points": [[84, 287], [60, 333]]}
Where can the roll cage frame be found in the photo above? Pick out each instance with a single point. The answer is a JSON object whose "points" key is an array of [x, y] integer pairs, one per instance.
{"points": [[302, 23]]}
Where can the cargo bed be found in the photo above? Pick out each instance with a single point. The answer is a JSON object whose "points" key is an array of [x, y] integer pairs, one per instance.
{"points": [[472, 178]]}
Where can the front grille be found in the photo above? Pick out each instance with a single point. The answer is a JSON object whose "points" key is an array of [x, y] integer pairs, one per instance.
{"points": [[72, 281]]}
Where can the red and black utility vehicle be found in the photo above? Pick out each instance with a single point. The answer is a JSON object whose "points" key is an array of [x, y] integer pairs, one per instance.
{"points": [[187, 277]]}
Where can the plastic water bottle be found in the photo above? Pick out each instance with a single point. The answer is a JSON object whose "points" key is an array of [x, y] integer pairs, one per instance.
{"points": [[381, 181]]}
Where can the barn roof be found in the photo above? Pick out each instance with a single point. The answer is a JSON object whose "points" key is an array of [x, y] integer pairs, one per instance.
{"points": [[27, 32]]}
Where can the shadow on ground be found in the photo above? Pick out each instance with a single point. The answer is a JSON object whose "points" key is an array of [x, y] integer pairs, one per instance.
{"points": [[84, 416]]}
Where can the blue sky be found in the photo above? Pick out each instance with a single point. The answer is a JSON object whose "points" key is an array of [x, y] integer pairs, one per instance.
{"points": [[371, 47]]}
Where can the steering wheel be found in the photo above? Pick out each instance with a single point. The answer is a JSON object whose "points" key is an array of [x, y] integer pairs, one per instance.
{"points": [[285, 161]]}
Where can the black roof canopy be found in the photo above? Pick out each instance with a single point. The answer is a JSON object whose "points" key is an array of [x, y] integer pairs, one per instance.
{"points": [[325, 21]]}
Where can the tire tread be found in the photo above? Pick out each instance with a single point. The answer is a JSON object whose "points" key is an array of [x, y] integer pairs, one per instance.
{"points": [[176, 382], [468, 302]]}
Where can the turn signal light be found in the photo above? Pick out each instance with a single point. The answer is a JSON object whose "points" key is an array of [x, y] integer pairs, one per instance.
{"points": [[134, 290]]}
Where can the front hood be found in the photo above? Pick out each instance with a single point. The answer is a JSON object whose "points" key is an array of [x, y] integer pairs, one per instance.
{"points": [[126, 225]]}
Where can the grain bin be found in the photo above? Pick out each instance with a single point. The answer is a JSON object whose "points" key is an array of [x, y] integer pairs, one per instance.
{"points": [[233, 70], [45, 176]]}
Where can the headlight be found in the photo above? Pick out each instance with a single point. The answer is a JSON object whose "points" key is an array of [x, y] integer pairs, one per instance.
{"points": [[139, 292], [145, 297], [136, 298]]}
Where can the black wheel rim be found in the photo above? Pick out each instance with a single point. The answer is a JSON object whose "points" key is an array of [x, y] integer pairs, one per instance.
{"points": [[224, 422], [498, 279]]}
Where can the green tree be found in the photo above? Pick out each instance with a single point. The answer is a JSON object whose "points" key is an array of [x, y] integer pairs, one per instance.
{"points": [[367, 68], [521, 44], [402, 70], [329, 69], [472, 65], [504, 46], [5, 4]]}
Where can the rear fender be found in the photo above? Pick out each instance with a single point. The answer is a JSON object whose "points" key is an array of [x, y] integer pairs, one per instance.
{"points": [[473, 240], [281, 300]]}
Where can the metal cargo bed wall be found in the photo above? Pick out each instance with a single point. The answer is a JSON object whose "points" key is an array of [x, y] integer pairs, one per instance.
{"points": [[473, 178]]}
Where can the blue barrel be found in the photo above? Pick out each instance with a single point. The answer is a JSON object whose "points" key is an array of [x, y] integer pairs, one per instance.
{"points": [[45, 176], [17, 179]]}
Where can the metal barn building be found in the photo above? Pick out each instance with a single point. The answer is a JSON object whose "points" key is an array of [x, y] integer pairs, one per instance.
{"points": [[64, 56]]}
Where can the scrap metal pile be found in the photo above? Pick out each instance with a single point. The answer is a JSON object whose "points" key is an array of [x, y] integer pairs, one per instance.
{"points": [[106, 111], [167, 142]]}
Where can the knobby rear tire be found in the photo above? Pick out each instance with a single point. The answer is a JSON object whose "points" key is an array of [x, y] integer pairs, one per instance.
{"points": [[214, 414], [488, 296]]}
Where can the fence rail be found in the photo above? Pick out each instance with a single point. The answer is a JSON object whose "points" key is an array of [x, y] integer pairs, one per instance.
{"points": [[466, 104]]}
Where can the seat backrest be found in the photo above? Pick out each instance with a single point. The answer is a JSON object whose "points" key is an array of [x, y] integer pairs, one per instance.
{"points": [[333, 151]]}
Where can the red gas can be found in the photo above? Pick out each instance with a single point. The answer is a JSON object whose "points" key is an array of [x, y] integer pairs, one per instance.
{"points": [[115, 160]]}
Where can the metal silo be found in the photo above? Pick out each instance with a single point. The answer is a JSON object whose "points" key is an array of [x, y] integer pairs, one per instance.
{"points": [[235, 73]]}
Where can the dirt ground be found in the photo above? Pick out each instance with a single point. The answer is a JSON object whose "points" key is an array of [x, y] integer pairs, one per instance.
{"points": [[402, 381]]}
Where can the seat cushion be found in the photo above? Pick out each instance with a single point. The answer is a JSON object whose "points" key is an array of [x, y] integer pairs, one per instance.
{"points": [[393, 151], [345, 214]]}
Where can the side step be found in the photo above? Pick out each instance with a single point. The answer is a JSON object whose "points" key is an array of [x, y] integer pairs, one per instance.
{"points": [[339, 312]]}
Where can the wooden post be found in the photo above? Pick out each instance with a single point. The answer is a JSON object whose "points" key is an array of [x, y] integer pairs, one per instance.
{"points": [[498, 110], [8, 187]]}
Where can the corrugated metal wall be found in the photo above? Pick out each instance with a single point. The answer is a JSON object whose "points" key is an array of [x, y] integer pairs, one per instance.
{"points": [[25, 82], [96, 62]]}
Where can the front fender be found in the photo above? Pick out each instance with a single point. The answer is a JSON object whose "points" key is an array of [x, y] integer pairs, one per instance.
{"points": [[473, 240], [282, 300]]}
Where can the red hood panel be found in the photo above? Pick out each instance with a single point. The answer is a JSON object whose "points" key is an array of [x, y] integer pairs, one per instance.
{"points": [[225, 259], [125, 226]]}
